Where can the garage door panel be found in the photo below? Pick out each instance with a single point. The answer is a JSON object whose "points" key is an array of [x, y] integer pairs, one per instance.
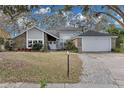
{"points": [[96, 44]]}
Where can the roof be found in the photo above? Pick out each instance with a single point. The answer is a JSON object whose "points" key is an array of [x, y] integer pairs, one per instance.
{"points": [[54, 32], [94, 33], [67, 29], [54, 35], [4, 34]]}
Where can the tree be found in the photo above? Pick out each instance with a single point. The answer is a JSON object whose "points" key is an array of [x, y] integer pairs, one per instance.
{"points": [[89, 22], [108, 10], [13, 13], [113, 30], [53, 21]]}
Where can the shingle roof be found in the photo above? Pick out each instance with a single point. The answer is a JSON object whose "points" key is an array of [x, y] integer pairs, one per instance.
{"points": [[67, 29], [94, 33], [54, 32]]}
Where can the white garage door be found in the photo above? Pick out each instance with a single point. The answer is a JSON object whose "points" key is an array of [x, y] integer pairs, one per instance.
{"points": [[96, 43]]}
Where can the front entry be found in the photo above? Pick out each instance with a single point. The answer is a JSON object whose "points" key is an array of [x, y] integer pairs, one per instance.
{"points": [[52, 45]]}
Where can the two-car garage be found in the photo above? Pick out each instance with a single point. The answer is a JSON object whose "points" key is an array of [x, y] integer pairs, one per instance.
{"points": [[96, 43], [92, 41]]}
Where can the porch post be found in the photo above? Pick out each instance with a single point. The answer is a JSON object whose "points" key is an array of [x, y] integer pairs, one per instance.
{"points": [[45, 42]]}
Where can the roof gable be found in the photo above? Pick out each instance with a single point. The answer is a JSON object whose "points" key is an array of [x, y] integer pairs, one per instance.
{"points": [[39, 30]]}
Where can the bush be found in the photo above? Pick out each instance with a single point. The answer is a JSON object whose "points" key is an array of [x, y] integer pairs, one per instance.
{"points": [[44, 49], [1, 41], [37, 46], [43, 83], [119, 40], [118, 50], [70, 46], [9, 45]]}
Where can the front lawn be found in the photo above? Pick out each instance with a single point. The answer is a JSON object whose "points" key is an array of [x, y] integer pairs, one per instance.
{"points": [[36, 66]]}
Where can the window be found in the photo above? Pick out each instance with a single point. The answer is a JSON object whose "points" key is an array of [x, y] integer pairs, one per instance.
{"points": [[40, 41], [29, 41], [32, 42], [35, 41], [29, 45], [54, 42]]}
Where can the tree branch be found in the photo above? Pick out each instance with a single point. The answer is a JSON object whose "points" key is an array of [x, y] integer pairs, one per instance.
{"points": [[116, 10], [121, 23]]}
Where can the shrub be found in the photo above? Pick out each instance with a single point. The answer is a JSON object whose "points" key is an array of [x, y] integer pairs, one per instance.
{"points": [[9, 45], [1, 41], [37, 46], [43, 83], [70, 46], [118, 50], [44, 49], [120, 40]]}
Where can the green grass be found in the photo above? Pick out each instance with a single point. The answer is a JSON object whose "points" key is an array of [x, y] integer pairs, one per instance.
{"points": [[36, 66]]}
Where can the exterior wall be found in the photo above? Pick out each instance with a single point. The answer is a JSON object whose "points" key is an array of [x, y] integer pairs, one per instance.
{"points": [[64, 36], [96, 43], [78, 43], [34, 34], [20, 41]]}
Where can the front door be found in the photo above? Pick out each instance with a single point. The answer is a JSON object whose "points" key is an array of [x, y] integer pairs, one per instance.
{"points": [[52, 45]]}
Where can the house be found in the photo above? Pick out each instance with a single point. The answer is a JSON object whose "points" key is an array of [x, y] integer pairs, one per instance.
{"points": [[94, 41], [90, 41], [54, 38], [65, 34]]}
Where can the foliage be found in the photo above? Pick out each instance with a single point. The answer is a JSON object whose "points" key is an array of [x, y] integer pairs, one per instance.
{"points": [[119, 41], [37, 46], [113, 30], [89, 22], [43, 83], [53, 21], [12, 14], [119, 50], [1, 41], [9, 45], [44, 49], [121, 32], [15, 10], [103, 9], [70, 46]]}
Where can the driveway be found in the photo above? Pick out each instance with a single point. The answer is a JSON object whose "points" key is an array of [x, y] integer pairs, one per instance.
{"points": [[105, 69]]}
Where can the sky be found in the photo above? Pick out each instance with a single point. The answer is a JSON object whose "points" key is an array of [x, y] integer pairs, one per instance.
{"points": [[46, 10], [76, 10]]}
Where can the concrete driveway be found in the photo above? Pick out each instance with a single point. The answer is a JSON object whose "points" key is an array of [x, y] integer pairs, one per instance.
{"points": [[103, 69]]}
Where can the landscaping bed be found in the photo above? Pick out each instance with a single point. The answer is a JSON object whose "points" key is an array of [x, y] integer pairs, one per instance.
{"points": [[36, 66]]}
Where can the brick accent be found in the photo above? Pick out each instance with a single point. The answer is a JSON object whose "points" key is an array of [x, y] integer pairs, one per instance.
{"points": [[78, 43]]}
